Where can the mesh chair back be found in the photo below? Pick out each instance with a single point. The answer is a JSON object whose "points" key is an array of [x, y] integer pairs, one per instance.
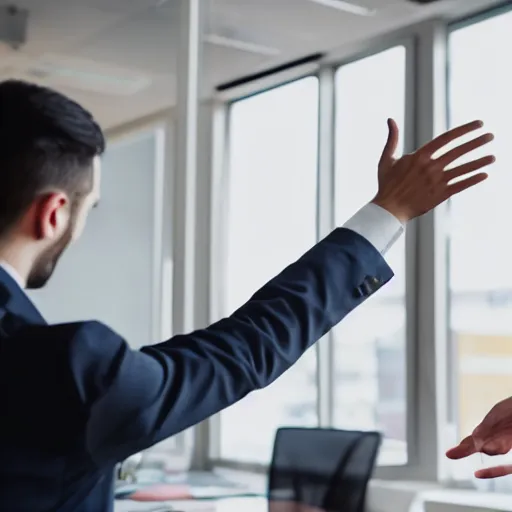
{"points": [[326, 469]]}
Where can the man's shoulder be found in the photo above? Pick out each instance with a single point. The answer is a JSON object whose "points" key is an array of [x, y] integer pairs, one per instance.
{"points": [[86, 351], [89, 339]]}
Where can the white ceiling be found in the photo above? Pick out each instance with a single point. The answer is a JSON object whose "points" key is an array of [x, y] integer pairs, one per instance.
{"points": [[135, 41]]}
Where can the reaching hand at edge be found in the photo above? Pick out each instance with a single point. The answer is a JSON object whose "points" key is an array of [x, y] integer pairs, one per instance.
{"points": [[416, 183], [493, 436]]}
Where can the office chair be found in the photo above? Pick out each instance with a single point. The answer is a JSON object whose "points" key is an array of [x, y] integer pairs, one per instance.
{"points": [[321, 469]]}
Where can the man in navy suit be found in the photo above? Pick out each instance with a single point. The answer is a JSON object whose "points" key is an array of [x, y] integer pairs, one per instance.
{"points": [[74, 398]]}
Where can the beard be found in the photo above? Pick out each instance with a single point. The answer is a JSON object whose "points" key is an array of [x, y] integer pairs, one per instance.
{"points": [[44, 266]]}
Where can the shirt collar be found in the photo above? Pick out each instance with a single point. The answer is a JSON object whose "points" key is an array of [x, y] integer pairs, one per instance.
{"points": [[13, 297], [13, 273]]}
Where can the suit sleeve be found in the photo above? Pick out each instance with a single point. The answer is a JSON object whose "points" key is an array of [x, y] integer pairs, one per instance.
{"points": [[135, 399]]}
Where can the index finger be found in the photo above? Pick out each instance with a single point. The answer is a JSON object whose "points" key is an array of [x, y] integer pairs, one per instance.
{"points": [[464, 449], [442, 140]]}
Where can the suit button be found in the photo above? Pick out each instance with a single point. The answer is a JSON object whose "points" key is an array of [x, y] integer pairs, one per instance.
{"points": [[358, 292], [368, 288]]}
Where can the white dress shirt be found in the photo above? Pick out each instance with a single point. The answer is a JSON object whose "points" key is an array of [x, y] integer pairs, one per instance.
{"points": [[378, 226]]}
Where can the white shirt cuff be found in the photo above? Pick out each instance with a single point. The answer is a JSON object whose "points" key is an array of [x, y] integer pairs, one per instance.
{"points": [[377, 225]]}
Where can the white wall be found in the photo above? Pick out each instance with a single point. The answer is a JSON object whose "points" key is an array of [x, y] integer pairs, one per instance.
{"points": [[113, 272]]}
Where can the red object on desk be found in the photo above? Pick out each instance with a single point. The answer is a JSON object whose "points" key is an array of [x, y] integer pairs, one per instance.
{"points": [[162, 492]]}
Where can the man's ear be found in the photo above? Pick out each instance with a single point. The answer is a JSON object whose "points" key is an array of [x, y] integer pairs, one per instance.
{"points": [[51, 216]]}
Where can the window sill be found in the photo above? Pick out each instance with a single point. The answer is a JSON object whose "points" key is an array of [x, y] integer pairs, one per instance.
{"points": [[397, 496], [405, 496]]}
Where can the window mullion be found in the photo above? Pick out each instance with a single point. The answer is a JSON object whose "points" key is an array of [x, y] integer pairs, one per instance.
{"points": [[325, 223], [431, 262]]}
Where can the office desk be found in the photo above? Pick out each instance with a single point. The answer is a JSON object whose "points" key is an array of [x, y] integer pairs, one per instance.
{"points": [[225, 505]]}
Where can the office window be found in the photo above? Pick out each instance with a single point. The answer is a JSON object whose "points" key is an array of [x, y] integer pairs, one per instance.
{"points": [[370, 358], [480, 249], [271, 222]]}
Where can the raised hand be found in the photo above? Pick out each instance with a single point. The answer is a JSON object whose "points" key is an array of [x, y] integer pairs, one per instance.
{"points": [[493, 437], [416, 183]]}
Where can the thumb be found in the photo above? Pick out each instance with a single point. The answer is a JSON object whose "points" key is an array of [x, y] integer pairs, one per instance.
{"points": [[392, 142]]}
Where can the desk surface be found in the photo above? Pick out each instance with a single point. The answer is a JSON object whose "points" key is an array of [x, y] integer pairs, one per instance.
{"points": [[225, 505]]}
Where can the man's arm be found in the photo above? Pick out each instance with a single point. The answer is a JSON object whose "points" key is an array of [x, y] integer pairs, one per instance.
{"points": [[137, 398]]}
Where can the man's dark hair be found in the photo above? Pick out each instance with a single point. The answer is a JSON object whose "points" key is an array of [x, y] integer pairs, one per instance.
{"points": [[47, 141]]}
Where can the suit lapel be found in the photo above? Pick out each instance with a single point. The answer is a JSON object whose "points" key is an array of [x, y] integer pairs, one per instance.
{"points": [[14, 300]]}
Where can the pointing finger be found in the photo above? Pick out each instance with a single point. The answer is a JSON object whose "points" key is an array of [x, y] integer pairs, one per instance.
{"points": [[465, 448]]}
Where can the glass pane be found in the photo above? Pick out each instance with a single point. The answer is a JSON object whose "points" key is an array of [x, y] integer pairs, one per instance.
{"points": [[369, 377], [272, 222], [480, 283]]}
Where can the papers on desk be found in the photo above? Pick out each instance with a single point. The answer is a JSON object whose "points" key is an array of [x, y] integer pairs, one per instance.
{"points": [[169, 492], [191, 506], [130, 506], [157, 486], [228, 505]]}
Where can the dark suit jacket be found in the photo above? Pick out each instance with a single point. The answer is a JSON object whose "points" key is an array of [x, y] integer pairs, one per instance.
{"points": [[75, 399]]}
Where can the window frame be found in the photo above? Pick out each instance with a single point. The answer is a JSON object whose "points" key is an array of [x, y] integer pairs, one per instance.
{"points": [[451, 417], [408, 133], [426, 250], [325, 73], [219, 213]]}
